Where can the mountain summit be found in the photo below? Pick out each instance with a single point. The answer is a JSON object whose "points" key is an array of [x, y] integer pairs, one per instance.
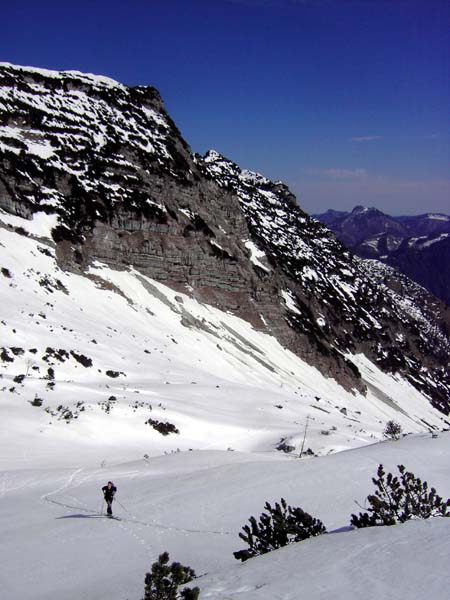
{"points": [[124, 189]]}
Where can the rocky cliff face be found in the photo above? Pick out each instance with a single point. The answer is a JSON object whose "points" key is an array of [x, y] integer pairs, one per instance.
{"points": [[109, 161]]}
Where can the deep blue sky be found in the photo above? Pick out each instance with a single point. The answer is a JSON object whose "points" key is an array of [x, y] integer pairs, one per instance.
{"points": [[345, 100]]}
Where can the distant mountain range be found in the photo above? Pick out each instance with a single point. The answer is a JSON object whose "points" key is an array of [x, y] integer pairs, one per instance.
{"points": [[418, 246]]}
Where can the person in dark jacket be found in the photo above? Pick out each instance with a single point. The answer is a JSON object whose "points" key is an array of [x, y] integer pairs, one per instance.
{"points": [[108, 493]]}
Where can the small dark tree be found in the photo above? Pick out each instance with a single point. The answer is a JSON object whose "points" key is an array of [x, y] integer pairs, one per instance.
{"points": [[162, 428], [281, 525], [397, 500], [392, 431], [163, 581]]}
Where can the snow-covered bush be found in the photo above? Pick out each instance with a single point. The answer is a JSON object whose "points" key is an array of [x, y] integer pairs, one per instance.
{"points": [[163, 581], [397, 500], [281, 525], [393, 430]]}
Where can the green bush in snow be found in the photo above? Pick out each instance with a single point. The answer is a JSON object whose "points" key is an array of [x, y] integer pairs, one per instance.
{"points": [[163, 581], [398, 499], [281, 525], [392, 431]]}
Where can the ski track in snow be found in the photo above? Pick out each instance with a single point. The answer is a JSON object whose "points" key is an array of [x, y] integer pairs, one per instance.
{"points": [[70, 482], [91, 513], [65, 485]]}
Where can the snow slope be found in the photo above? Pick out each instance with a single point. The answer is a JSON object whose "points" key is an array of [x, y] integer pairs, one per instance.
{"points": [[96, 366], [232, 393], [106, 352], [56, 545]]}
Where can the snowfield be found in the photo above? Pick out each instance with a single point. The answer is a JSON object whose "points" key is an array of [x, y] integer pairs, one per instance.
{"points": [[56, 545], [92, 365]]}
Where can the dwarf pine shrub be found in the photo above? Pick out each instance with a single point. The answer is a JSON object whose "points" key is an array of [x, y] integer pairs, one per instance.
{"points": [[392, 431], [398, 499], [163, 581], [281, 525]]}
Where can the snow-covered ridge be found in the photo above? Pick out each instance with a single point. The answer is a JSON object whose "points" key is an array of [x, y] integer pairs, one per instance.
{"points": [[437, 217], [83, 128], [426, 242], [89, 78], [311, 256]]}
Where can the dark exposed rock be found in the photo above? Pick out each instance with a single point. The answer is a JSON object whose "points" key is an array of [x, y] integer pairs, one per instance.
{"points": [[112, 373]]}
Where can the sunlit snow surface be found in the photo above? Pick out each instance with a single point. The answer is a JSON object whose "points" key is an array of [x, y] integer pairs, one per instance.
{"points": [[220, 382], [56, 544], [232, 392]]}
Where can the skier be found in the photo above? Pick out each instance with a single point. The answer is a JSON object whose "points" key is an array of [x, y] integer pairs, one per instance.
{"points": [[108, 493]]}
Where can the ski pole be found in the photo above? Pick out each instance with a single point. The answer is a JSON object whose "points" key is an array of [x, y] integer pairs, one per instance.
{"points": [[101, 509], [120, 504]]}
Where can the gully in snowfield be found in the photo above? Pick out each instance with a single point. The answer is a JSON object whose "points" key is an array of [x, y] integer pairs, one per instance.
{"points": [[108, 492]]}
